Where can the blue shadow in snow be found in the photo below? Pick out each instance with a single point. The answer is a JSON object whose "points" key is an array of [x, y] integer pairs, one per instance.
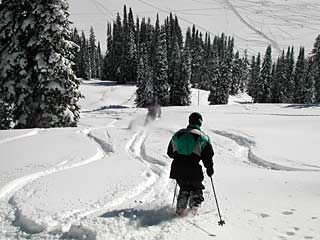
{"points": [[300, 106], [144, 218]]}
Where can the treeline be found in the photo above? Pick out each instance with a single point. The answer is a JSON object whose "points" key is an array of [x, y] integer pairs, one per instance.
{"points": [[162, 64], [88, 59], [165, 63], [287, 80]]}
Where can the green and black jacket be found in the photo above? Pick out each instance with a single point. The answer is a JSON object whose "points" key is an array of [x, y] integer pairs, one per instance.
{"points": [[187, 147]]}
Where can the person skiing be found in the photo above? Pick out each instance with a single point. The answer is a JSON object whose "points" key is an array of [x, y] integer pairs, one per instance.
{"points": [[187, 147], [154, 111]]}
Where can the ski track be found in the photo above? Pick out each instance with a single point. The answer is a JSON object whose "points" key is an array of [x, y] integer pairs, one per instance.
{"points": [[149, 218], [236, 12], [7, 192], [29, 134], [253, 158]]}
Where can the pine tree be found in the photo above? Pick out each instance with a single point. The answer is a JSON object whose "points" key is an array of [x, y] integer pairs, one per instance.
{"points": [[289, 91], [309, 93], [245, 72], [160, 65], [279, 81], [220, 86], [77, 40], [252, 79], [315, 56], [264, 82], [145, 88], [84, 70], [92, 51], [299, 78], [236, 75], [99, 61], [36, 78], [107, 66], [117, 48]]}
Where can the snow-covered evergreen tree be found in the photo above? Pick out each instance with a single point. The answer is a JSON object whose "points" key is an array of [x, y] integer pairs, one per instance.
{"points": [[145, 88], [36, 55], [252, 79], [289, 83], [160, 65], [264, 82], [309, 93], [278, 83], [299, 78], [236, 75]]}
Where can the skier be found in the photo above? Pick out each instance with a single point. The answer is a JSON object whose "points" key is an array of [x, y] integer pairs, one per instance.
{"points": [[154, 111], [187, 147]]}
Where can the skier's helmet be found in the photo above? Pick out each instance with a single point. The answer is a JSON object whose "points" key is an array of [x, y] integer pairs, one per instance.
{"points": [[195, 118]]}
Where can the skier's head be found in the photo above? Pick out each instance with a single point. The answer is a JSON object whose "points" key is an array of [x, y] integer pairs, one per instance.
{"points": [[195, 118]]}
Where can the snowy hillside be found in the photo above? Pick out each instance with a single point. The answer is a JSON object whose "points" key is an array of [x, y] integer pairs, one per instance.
{"points": [[108, 178], [254, 24]]}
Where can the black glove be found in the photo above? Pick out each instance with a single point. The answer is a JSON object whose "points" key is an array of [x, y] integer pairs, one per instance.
{"points": [[210, 172]]}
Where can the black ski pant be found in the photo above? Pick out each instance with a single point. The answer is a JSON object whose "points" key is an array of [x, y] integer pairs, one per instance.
{"points": [[190, 192]]}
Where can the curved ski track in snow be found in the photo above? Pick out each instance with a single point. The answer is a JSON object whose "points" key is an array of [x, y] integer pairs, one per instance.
{"points": [[8, 191], [245, 142], [133, 148]]}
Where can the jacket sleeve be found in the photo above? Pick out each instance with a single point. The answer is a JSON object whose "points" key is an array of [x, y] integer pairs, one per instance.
{"points": [[207, 155], [170, 150]]}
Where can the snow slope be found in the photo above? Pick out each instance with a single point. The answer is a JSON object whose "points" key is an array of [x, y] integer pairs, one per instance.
{"points": [[108, 178], [255, 24]]}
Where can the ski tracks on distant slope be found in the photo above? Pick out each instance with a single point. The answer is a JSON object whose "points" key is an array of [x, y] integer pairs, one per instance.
{"points": [[236, 12], [9, 210]]}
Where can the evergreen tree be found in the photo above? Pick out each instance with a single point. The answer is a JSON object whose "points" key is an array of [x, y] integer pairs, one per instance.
{"points": [[299, 78], [92, 51], [309, 93], [145, 88], [245, 72], [160, 65], [236, 75], [117, 49], [252, 79], [220, 86], [278, 92], [289, 83], [264, 82], [77, 40], [38, 86], [107, 66], [84, 70], [315, 56], [253, 84], [99, 62]]}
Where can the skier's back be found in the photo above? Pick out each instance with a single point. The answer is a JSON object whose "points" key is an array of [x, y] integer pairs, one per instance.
{"points": [[187, 147]]}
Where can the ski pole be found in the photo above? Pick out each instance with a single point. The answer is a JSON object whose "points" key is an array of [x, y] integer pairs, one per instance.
{"points": [[174, 194], [221, 222]]}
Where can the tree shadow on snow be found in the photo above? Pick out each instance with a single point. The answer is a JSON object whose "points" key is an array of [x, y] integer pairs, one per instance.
{"points": [[143, 217], [105, 108], [300, 106]]}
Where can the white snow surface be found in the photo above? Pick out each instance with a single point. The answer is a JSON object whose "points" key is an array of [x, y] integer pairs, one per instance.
{"points": [[254, 24], [109, 177]]}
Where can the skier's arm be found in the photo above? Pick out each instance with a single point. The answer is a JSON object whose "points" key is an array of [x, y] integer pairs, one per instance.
{"points": [[170, 150], [207, 155]]}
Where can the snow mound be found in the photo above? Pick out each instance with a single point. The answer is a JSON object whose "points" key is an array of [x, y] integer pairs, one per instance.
{"points": [[80, 232]]}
